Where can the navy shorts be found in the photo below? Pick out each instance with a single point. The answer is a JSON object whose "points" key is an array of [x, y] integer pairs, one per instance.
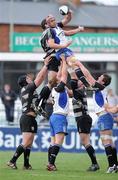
{"points": [[84, 124], [28, 124]]}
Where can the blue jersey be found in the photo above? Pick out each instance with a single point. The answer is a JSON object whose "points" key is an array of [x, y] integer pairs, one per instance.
{"points": [[58, 120], [99, 98], [105, 120], [59, 38], [58, 34], [61, 102]]}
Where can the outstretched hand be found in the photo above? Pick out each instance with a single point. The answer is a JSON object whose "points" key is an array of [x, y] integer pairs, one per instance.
{"points": [[80, 28], [47, 60]]}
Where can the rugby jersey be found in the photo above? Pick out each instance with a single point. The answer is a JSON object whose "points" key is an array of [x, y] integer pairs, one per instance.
{"points": [[61, 102], [28, 97], [56, 33], [79, 102], [99, 98]]}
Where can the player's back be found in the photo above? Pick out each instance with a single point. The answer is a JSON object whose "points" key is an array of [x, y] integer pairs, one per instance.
{"points": [[61, 102]]}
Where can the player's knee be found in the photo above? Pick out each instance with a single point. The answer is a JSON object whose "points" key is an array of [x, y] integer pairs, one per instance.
{"points": [[52, 82]]}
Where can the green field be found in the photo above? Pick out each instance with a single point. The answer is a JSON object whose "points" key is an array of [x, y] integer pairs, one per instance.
{"points": [[70, 166]]}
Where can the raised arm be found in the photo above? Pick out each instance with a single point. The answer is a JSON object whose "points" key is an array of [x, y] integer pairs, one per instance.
{"points": [[43, 72], [64, 72], [59, 71], [62, 80], [86, 73], [74, 31], [54, 45], [67, 18]]}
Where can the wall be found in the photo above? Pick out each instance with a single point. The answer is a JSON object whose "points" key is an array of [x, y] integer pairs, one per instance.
{"points": [[4, 33]]}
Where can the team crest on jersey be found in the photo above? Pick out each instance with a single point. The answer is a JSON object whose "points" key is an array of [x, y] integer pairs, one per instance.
{"points": [[80, 130], [32, 128]]}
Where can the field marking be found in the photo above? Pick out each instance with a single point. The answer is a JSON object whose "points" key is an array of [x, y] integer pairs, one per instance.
{"points": [[46, 175]]}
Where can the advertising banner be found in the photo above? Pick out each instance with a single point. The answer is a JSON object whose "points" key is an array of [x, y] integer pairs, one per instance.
{"points": [[10, 138], [82, 42]]}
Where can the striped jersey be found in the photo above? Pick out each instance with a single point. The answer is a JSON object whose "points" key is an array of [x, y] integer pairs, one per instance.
{"points": [[28, 97], [80, 106]]}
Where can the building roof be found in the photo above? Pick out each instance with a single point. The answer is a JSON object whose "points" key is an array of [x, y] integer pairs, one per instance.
{"points": [[30, 13]]}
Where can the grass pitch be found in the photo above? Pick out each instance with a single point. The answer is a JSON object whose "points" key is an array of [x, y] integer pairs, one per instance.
{"points": [[70, 166]]}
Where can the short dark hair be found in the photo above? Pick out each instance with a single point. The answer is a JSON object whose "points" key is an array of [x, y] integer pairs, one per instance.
{"points": [[22, 81], [43, 24], [106, 79]]}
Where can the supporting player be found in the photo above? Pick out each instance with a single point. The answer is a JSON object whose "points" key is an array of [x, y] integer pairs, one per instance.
{"points": [[105, 120], [83, 119], [28, 124], [58, 120]]}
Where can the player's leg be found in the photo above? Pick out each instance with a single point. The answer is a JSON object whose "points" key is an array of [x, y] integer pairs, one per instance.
{"points": [[85, 138], [50, 147], [28, 140], [52, 132], [84, 125], [106, 137], [55, 148], [105, 125], [59, 126], [72, 62]]}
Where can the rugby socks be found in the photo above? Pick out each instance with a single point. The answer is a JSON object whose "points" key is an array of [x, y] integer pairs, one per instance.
{"points": [[26, 156], [49, 152], [55, 150], [81, 77], [115, 156], [91, 152], [109, 153], [20, 149], [43, 96]]}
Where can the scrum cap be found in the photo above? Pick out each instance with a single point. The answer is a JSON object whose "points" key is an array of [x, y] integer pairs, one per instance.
{"points": [[22, 81]]}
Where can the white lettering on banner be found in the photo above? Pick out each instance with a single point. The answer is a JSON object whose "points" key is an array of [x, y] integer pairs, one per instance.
{"points": [[9, 141], [94, 41], [100, 145], [27, 41], [35, 145], [72, 141], [45, 139], [12, 141], [1, 139], [18, 140], [78, 144], [20, 41], [93, 139]]}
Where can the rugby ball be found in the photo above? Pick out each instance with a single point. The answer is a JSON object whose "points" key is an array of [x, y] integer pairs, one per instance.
{"points": [[63, 10]]}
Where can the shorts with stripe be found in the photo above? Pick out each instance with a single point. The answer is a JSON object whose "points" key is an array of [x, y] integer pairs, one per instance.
{"points": [[84, 124], [58, 124], [28, 124]]}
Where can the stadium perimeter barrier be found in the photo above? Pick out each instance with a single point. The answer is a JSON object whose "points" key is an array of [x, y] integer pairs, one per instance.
{"points": [[10, 138]]}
